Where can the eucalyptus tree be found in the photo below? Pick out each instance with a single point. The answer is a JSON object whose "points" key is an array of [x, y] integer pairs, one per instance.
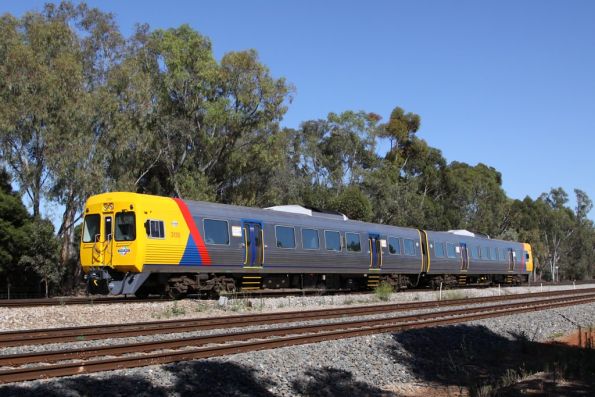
{"points": [[474, 198], [13, 229], [53, 70], [199, 128]]}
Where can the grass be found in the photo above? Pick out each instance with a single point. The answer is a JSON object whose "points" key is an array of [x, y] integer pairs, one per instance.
{"points": [[453, 295], [172, 311], [383, 291]]}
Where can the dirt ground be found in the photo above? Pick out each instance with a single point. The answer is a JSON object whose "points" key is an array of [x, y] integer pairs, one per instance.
{"points": [[560, 379]]}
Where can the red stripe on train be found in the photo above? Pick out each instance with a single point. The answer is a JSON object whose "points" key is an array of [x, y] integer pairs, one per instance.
{"points": [[200, 244]]}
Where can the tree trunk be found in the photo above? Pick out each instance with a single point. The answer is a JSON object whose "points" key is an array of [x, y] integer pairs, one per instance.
{"points": [[67, 232], [45, 280]]}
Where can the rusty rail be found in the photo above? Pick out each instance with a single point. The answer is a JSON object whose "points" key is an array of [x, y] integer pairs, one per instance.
{"points": [[286, 336], [94, 332]]}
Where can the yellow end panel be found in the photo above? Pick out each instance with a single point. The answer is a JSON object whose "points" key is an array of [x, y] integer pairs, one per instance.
{"points": [[130, 256], [529, 262], [169, 249]]}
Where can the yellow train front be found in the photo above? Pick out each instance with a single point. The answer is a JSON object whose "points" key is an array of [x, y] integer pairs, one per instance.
{"points": [[123, 231]]}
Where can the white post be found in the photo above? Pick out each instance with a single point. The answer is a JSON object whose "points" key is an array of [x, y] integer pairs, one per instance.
{"points": [[440, 297], [574, 283], [499, 292], [541, 287]]}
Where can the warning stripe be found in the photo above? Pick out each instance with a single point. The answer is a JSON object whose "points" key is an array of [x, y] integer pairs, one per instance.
{"points": [[198, 241]]}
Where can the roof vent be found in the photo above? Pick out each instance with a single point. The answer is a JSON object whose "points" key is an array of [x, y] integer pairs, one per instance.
{"points": [[294, 209], [310, 211], [463, 232]]}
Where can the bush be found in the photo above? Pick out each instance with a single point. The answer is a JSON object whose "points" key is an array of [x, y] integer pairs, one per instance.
{"points": [[383, 291]]}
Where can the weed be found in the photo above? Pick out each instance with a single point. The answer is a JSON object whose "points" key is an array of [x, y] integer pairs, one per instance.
{"points": [[177, 310], [200, 307], [383, 291], [453, 295], [348, 301], [484, 391]]}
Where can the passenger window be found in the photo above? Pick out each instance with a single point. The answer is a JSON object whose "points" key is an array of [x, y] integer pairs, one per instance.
{"points": [[285, 237], [485, 253], [409, 247], [503, 255], [310, 239], [451, 250], [439, 250], [155, 229], [353, 242], [91, 228], [125, 226], [216, 232], [494, 254], [474, 253], [394, 245], [332, 240]]}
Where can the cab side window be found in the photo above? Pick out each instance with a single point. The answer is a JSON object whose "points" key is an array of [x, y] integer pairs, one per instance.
{"points": [[155, 228]]}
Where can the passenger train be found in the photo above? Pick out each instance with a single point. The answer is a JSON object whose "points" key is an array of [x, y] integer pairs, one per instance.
{"points": [[141, 244]]}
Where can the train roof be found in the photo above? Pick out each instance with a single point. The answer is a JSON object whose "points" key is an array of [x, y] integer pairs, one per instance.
{"points": [[291, 215]]}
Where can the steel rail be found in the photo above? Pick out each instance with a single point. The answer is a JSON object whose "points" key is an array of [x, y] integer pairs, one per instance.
{"points": [[85, 333], [71, 301], [324, 332], [70, 354]]}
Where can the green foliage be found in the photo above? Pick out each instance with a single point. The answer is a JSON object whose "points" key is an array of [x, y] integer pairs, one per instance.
{"points": [[383, 291], [42, 253], [353, 203], [13, 226], [476, 200]]}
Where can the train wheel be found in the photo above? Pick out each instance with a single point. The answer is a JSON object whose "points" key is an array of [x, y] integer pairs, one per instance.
{"points": [[175, 294]]}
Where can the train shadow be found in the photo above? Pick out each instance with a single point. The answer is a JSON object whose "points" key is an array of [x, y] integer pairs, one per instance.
{"points": [[485, 363]]}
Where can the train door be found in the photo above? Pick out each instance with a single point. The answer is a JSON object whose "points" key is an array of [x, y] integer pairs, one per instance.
{"points": [[253, 243], [102, 242], [511, 260], [108, 239], [464, 257], [375, 246], [425, 252]]}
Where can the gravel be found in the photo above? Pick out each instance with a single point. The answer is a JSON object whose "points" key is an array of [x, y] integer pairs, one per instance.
{"points": [[377, 365]]}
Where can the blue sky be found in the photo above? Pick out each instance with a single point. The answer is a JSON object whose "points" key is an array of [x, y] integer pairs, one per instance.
{"points": [[507, 83]]}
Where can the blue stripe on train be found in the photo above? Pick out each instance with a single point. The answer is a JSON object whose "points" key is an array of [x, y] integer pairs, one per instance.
{"points": [[191, 255]]}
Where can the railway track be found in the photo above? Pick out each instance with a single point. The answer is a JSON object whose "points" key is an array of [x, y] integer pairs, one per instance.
{"points": [[104, 331], [64, 301], [72, 301], [150, 353]]}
